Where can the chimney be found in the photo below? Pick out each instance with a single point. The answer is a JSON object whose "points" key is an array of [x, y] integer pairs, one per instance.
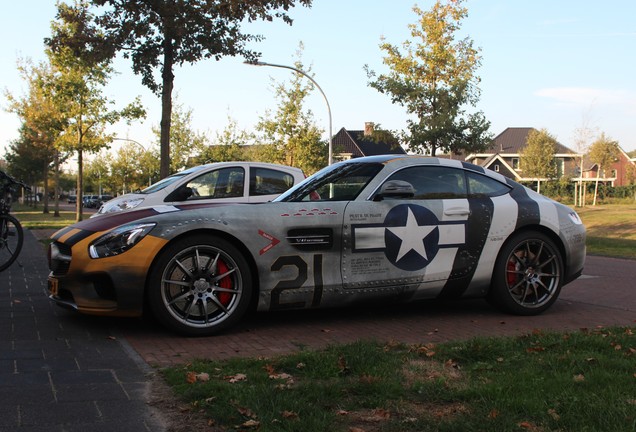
{"points": [[368, 128]]}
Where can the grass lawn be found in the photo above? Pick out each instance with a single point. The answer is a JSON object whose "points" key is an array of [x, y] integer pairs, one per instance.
{"points": [[581, 381], [33, 218], [611, 230]]}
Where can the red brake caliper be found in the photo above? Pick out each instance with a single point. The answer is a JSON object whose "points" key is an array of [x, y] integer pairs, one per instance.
{"points": [[226, 282], [510, 273]]}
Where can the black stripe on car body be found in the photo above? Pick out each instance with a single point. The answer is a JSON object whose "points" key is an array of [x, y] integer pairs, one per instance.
{"points": [[467, 257]]}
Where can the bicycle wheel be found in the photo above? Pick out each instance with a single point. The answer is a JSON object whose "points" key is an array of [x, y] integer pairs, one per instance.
{"points": [[11, 238]]}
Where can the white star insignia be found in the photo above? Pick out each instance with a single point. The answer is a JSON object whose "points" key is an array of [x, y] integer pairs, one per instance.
{"points": [[412, 236]]}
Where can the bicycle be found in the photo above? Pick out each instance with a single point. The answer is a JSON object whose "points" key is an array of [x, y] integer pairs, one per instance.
{"points": [[11, 232]]}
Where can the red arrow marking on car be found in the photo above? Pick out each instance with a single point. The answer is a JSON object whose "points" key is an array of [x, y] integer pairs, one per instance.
{"points": [[273, 241]]}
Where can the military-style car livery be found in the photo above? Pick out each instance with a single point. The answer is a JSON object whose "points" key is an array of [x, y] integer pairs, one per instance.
{"points": [[397, 228]]}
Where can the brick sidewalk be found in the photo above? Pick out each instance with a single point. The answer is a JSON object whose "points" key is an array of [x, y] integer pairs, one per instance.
{"points": [[60, 371], [603, 297]]}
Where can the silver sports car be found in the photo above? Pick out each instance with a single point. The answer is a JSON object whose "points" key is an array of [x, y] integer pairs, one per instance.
{"points": [[390, 228]]}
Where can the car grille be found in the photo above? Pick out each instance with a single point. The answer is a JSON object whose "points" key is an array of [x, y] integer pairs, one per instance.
{"points": [[59, 258]]}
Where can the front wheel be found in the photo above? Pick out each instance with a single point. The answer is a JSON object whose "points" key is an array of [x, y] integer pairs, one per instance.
{"points": [[200, 286], [528, 274], [11, 239]]}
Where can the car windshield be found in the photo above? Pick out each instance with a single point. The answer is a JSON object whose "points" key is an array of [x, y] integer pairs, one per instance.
{"points": [[339, 182], [169, 180]]}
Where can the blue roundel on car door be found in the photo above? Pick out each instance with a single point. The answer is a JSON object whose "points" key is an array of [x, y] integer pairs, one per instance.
{"points": [[411, 236]]}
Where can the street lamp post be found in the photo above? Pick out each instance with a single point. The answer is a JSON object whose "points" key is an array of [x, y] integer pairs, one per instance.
{"points": [[260, 63]]}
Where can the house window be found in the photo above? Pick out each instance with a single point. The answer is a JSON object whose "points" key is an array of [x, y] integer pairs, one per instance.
{"points": [[560, 167], [614, 173], [515, 164], [496, 168]]}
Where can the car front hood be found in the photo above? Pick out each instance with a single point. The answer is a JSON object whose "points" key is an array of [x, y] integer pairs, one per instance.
{"points": [[80, 230]]}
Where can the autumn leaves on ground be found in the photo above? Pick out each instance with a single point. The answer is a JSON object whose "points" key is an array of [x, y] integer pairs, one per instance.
{"points": [[537, 382]]}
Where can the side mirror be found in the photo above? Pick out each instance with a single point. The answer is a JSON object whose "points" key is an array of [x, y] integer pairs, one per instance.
{"points": [[395, 189]]}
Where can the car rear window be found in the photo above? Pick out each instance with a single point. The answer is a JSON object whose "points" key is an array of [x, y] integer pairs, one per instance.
{"points": [[265, 181], [484, 186]]}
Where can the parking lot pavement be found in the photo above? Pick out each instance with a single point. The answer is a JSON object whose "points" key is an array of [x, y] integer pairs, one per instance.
{"points": [[60, 372]]}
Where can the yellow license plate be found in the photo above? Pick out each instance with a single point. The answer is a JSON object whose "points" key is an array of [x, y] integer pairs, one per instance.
{"points": [[53, 286]]}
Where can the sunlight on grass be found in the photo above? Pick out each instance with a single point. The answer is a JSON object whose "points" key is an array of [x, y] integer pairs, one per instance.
{"points": [[611, 230], [35, 219]]}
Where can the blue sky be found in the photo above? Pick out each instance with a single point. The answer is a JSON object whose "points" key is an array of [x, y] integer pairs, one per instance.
{"points": [[559, 65]]}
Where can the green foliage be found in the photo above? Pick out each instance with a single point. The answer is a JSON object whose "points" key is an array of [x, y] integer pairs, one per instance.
{"points": [[604, 152], [185, 142], [76, 88], [228, 145], [433, 77], [537, 157], [159, 35], [41, 123], [291, 132], [540, 381]]}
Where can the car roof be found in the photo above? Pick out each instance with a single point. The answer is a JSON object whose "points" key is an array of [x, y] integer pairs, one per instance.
{"points": [[240, 163], [407, 160]]}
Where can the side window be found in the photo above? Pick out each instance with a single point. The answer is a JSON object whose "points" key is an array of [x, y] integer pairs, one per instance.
{"points": [[265, 181], [481, 185], [222, 183], [434, 182]]}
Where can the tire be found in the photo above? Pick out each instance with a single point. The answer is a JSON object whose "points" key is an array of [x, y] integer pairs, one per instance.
{"points": [[200, 299], [528, 274], [11, 239]]}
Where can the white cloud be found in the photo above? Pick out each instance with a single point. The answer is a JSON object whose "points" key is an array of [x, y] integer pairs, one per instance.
{"points": [[582, 97]]}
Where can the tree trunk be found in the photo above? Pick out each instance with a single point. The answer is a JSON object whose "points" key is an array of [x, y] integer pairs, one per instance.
{"points": [[45, 178], [598, 176], [166, 99], [56, 212], [80, 187]]}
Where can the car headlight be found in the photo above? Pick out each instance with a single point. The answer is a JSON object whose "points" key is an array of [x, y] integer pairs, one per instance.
{"points": [[119, 240], [121, 205]]}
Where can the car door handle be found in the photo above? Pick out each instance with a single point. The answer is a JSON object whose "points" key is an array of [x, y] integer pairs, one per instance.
{"points": [[457, 212]]}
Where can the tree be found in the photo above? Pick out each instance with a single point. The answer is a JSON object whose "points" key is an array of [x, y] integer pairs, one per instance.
{"points": [[97, 174], [185, 141], [537, 157], [434, 79], [42, 123], [603, 152], [583, 137], [162, 34], [77, 89], [229, 145], [24, 159], [291, 131], [125, 169]]}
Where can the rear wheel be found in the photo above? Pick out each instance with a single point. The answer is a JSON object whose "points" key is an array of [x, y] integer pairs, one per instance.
{"points": [[11, 239], [200, 286], [528, 274]]}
